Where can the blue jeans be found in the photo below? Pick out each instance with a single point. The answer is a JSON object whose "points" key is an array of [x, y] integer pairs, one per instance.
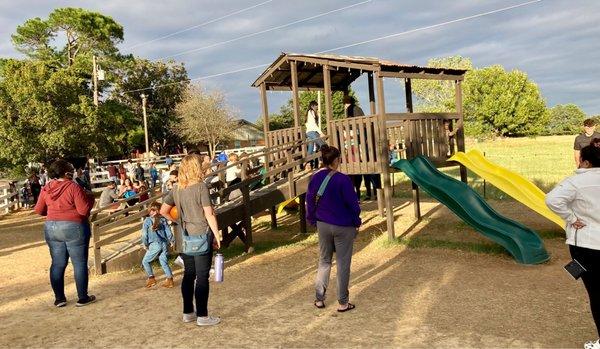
{"points": [[68, 239], [314, 146], [159, 249]]}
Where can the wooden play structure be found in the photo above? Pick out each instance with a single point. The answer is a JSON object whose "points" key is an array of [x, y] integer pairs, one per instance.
{"points": [[364, 142]]}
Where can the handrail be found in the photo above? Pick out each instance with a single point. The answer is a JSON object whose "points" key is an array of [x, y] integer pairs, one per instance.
{"points": [[286, 166], [125, 210]]}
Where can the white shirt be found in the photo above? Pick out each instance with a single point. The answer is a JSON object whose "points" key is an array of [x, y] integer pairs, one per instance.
{"points": [[576, 197], [311, 124], [232, 173]]}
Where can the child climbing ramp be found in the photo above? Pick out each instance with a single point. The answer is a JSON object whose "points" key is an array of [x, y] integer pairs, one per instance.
{"points": [[156, 238]]}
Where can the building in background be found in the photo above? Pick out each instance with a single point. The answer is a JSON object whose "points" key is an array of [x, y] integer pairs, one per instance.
{"points": [[246, 135]]}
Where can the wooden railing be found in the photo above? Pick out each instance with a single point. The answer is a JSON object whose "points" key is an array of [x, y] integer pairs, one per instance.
{"points": [[284, 136], [102, 225], [422, 134], [357, 139], [281, 171], [9, 197]]}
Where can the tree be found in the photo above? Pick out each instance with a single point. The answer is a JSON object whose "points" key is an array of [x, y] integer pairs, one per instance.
{"points": [[46, 107], [503, 103], [204, 118], [80, 31], [435, 96], [285, 117], [134, 79], [565, 119], [45, 113]]}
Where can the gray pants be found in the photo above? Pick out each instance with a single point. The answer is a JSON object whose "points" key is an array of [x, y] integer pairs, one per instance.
{"points": [[339, 239]]}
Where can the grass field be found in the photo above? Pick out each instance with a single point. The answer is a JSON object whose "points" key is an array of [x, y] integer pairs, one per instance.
{"points": [[543, 160]]}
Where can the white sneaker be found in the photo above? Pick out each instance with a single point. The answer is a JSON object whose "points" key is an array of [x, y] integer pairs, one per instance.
{"points": [[588, 345], [208, 321], [191, 317]]}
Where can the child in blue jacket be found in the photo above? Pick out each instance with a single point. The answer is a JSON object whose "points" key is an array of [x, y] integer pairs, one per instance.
{"points": [[156, 238]]}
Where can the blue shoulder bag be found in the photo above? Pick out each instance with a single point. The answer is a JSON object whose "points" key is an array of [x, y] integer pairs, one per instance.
{"points": [[192, 245]]}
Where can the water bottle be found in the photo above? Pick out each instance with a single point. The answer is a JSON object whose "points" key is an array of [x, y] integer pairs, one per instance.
{"points": [[219, 264]]}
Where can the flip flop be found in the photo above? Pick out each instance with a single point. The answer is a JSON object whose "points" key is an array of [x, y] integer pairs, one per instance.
{"points": [[350, 307], [319, 306]]}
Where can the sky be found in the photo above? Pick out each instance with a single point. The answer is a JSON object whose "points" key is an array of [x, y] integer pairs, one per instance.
{"points": [[554, 41]]}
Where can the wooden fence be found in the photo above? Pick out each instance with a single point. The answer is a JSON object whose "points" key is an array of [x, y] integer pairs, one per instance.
{"points": [[284, 137], [283, 171], [422, 134], [357, 138], [9, 197], [102, 225]]}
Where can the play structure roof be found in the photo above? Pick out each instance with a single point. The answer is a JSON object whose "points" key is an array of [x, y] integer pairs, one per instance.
{"points": [[344, 70]]}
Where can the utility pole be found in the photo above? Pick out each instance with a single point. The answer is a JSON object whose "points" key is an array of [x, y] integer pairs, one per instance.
{"points": [[319, 107], [95, 79], [145, 122]]}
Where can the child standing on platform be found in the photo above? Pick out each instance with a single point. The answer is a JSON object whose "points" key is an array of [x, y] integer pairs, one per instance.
{"points": [[156, 238]]}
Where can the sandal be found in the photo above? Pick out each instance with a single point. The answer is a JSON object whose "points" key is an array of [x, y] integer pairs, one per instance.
{"points": [[349, 307], [319, 306]]}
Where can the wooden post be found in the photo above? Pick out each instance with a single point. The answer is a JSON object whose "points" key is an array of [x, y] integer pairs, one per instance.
{"points": [[371, 93], [295, 100], [328, 100], [273, 212], [302, 212], [379, 192], [247, 218], [415, 188], [383, 156], [5, 204], [97, 254], [460, 130], [408, 93], [265, 117], [416, 200]]}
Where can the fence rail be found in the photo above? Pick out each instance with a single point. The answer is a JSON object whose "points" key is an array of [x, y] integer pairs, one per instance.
{"points": [[9, 197], [357, 139], [105, 227], [422, 134]]}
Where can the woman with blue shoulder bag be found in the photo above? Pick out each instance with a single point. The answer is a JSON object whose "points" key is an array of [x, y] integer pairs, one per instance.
{"points": [[332, 206], [200, 235]]}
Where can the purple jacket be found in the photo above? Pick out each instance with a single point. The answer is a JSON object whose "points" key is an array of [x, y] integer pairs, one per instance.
{"points": [[338, 205]]}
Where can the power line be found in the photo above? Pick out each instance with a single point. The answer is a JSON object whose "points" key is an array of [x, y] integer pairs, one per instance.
{"points": [[265, 30], [430, 26], [200, 25], [346, 46]]}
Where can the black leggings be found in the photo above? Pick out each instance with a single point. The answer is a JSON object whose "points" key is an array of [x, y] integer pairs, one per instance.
{"points": [[196, 268], [357, 181], [590, 259]]}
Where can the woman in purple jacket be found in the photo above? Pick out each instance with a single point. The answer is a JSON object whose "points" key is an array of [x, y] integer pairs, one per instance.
{"points": [[332, 206]]}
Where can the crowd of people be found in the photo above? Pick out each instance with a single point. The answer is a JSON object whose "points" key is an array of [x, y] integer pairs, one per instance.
{"points": [[332, 205]]}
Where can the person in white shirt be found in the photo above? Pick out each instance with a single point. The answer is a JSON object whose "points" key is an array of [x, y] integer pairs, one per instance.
{"points": [[313, 131], [577, 199], [233, 174]]}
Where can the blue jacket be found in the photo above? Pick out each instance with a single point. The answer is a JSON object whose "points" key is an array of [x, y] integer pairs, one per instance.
{"points": [[153, 172], [162, 234]]}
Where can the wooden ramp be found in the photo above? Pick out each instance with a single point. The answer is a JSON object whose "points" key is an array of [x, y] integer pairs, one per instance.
{"points": [[269, 177]]}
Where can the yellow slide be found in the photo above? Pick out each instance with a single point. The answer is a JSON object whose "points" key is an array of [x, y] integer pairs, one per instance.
{"points": [[509, 182], [291, 203]]}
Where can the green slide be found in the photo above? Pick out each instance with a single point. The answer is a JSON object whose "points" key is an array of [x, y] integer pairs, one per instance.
{"points": [[521, 242]]}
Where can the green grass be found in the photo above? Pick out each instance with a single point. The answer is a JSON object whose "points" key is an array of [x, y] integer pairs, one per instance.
{"points": [[421, 242], [543, 160]]}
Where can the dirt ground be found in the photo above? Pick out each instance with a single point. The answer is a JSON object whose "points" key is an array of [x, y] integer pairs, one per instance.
{"points": [[405, 297]]}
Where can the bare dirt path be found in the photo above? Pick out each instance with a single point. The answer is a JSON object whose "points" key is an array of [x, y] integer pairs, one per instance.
{"points": [[405, 297]]}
